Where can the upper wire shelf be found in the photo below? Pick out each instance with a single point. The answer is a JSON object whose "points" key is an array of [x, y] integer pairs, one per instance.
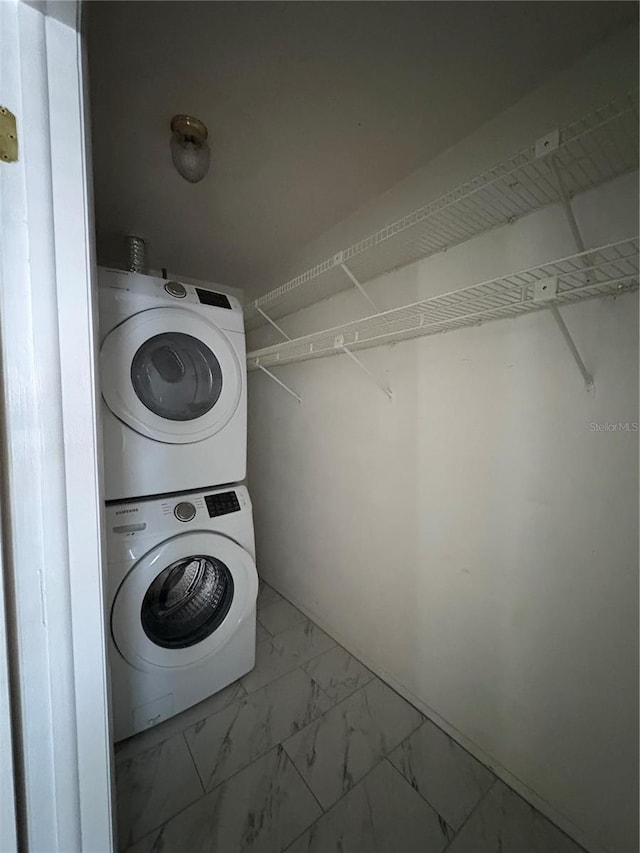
{"points": [[603, 271], [594, 149]]}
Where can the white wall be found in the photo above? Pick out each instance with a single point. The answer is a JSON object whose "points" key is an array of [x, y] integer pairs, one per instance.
{"points": [[474, 541]]}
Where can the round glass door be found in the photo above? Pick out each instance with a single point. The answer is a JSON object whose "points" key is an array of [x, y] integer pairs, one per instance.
{"points": [[176, 376], [187, 602], [171, 375], [179, 605]]}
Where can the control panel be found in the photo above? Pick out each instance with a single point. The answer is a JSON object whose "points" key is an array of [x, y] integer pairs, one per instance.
{"points": [[222, 503], [150, 286]]}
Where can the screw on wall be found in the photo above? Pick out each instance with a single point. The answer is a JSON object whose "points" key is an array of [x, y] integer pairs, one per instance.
{"points": [[547, 144]]}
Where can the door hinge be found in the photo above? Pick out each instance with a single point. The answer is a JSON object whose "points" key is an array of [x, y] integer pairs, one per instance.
{"points": [[8, 136]]}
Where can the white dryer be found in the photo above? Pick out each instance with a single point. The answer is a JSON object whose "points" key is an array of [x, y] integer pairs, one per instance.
{"points": [[182, 588], [173, 375]]}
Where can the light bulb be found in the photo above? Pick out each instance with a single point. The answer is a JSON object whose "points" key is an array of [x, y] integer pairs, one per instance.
{"points": [[189, 150]]}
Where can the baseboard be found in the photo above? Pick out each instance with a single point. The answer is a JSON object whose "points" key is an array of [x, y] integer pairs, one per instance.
{"points": [[501, 772]]}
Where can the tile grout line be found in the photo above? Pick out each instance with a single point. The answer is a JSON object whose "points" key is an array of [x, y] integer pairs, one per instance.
{"points": [[425, 718], [334, 804], [193, 725], [318, 720], [350, 696], [156, 829], [397, 769], [206, 794], [297, 665], [471, 813], [332, 705], [307, 786], [265, 628], [383, 757], [241, 769], [275, 603], [275, 745], [135, 754], [240, 700], [324, 652], [193, 760], [315, 625], [424, 799], [537, 813], [320, 688], [486, 765], [335, 705], [336, 643]]}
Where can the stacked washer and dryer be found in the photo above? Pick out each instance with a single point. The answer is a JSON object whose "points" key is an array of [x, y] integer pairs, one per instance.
{"points": [[182, 580]]}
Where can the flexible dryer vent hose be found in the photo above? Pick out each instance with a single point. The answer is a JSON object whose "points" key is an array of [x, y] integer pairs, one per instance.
{"points": [[136, 254]]}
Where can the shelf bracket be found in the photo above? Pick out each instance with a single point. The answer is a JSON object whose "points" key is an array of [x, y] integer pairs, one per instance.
{"points": [[339, 344], [275, 379], [579, 242], [566, 203], [273, 322], [545, 290], [361, 289], [566, 334]]}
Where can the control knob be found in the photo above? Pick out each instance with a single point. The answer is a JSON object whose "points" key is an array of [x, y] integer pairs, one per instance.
{"points": [[184, 511], [174, 288]]}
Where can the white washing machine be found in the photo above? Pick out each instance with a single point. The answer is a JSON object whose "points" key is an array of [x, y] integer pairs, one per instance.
{"points": [[173, 375], [182, 588]]}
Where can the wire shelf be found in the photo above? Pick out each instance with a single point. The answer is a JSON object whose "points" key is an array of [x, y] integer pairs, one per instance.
{"points": [[603, 271], [588, 152]]}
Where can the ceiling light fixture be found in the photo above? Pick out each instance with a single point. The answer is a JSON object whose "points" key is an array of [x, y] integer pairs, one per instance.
{"points": [[189, 149]]}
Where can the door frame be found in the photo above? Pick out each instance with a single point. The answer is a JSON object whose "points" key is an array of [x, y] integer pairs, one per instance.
{"points": [[51, 487]]}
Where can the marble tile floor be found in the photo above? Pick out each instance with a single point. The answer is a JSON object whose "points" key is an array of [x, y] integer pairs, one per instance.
{"points": [[312, 753]]}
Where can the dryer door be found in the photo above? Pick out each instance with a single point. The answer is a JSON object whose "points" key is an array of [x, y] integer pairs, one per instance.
{"points": [[171, 375], [183, 601]]}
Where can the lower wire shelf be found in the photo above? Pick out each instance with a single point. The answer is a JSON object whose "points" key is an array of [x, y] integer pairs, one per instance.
{"points": [[603, 271]]}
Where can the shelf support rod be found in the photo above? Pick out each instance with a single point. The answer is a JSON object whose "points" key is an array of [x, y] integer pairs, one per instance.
{"points": [[273, 323], [280, 383], [566, 334], [363, 292], [340, 345], [577, 238], [566, 204]]}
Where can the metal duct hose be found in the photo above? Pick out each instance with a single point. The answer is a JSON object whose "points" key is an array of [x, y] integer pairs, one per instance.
{"points": [[136, 254]]}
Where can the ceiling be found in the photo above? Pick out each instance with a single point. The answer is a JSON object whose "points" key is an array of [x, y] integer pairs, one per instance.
{"points": [[314, 109]]}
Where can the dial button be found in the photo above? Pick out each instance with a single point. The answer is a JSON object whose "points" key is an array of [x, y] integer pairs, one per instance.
{"points": [[184, 511], [174, 288]]}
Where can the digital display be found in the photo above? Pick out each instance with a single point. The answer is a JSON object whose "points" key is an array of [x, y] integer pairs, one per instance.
{"points": [[222, 503], [208, 297]]}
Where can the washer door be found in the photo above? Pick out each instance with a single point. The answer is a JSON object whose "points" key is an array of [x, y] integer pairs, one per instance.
{"points": [[171, 375], [183, 601]]}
